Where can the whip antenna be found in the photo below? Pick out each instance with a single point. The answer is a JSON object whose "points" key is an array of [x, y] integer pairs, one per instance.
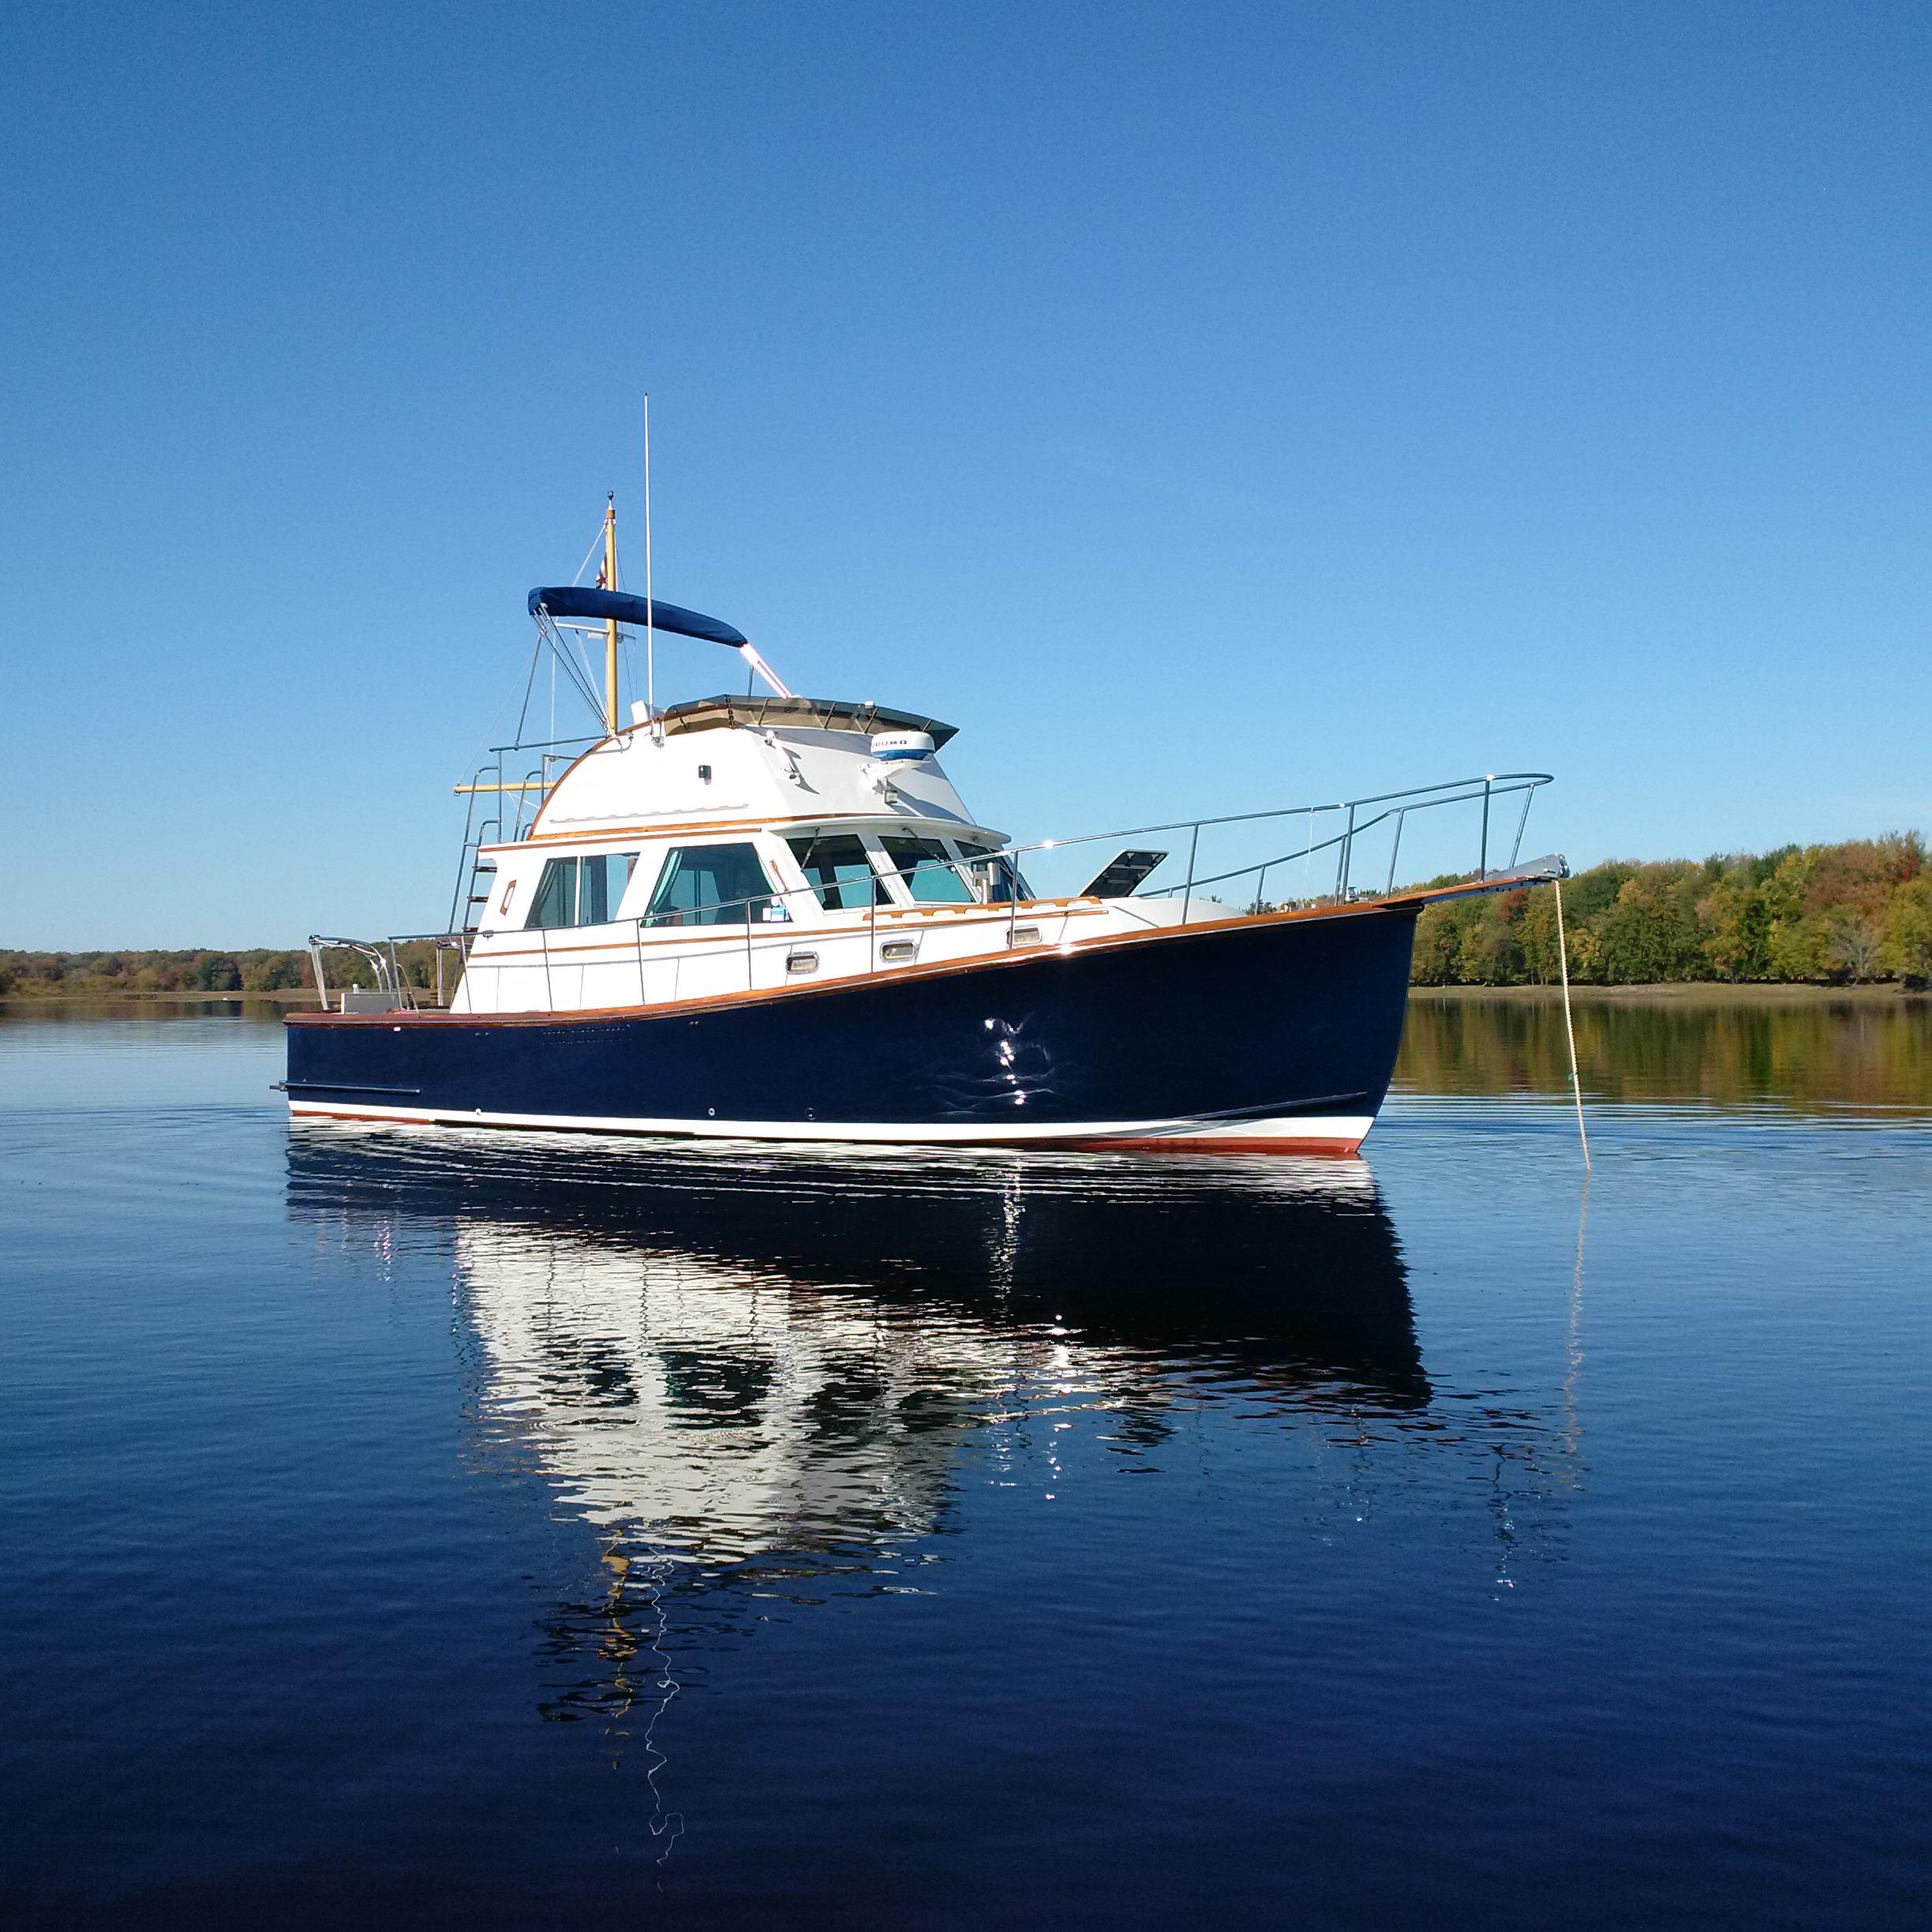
{"points": [[650, 679]]}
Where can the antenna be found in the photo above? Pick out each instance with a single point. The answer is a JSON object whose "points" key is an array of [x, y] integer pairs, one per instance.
{"points": [[650, 679], [610, 628]]}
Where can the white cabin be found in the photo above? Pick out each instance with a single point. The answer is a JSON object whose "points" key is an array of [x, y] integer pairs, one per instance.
{"points": [[744, 845]]}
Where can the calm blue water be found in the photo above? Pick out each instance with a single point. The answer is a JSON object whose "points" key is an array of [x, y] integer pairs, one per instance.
{"points": [[428, 1531]]}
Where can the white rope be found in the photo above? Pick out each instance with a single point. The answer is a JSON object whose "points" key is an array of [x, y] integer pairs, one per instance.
{"points": [[1563, 961]]}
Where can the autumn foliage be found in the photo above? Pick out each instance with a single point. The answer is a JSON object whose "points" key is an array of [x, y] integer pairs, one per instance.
{"points": [[1828, 914], [111, 975]]}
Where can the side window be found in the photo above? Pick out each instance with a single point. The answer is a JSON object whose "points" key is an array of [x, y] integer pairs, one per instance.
{"points": [[555, 903], [581, 892], [713, 886], [601, 884], [838, 871], [929, 874]]}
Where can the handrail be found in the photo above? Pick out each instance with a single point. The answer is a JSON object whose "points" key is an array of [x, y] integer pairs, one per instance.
{"points": [[1396, 805], [1512, 779], [363, 948], [1487, 787]]}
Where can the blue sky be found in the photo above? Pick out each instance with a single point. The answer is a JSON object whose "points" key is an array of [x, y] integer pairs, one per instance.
{"points": [[1204, 408]]}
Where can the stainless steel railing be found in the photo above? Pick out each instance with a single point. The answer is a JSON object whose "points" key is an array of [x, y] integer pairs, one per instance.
{"points": [[385, 964], [1396, 807], [525, 796], [1357, 819]]}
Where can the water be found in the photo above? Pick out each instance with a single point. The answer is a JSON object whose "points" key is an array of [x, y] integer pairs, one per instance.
{"points": [[441, 1531]]}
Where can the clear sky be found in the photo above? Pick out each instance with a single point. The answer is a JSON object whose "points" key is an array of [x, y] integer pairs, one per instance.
{"points": [[1205, 407]]}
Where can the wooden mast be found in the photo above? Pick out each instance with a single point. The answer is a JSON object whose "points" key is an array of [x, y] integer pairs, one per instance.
{"points": [[610, 626]]}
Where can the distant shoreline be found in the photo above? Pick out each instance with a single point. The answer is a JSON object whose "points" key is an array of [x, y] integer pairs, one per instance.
{"points": [[280, 996], [1685, 992], [1675, 993]]}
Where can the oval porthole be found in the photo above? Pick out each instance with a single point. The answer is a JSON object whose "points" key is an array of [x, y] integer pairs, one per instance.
{"points": [[801, 962], [896, 951]]}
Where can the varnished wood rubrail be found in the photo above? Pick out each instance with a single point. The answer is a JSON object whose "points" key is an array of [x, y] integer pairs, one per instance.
{"points": [[1401, 905]]}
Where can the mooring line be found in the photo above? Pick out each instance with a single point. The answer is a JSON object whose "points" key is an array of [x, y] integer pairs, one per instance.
{"points": [[1562, 962]]}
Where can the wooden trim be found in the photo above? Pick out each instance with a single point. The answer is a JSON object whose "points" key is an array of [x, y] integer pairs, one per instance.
{"points": [[677, 828], [734, 935], [990, 962], [608, 740], [619, 832]]}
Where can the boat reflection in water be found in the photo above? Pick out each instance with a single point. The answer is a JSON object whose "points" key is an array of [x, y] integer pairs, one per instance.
{"points": [[755, 1370]]}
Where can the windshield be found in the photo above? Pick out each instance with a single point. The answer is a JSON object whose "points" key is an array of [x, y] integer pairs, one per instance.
{"points": [[929, 872], [713, 886], [838, 871]]}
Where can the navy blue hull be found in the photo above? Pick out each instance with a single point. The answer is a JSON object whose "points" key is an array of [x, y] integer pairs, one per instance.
{"points": [[1246, 1021]]}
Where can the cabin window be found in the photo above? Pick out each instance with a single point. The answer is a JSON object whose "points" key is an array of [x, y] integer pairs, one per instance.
{"points": [[929, 875], [581, 892], [713, 886], [838, 871]]}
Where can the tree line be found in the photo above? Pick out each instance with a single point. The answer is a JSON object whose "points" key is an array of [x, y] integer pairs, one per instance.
{"points": [[1825, 914], [108, 975]]}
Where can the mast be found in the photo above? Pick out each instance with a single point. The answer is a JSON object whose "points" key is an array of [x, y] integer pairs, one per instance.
{"points": [[610, 626]]}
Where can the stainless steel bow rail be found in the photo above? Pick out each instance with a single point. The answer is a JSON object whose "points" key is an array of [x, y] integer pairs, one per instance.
{"points": [[996, 871], [1396, 807]]}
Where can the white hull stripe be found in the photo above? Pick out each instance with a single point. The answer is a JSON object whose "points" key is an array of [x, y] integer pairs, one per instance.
{"points": [[1336, 1133]]}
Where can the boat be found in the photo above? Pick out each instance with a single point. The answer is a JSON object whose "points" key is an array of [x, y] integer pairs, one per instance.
{"points": [[774, 917]]}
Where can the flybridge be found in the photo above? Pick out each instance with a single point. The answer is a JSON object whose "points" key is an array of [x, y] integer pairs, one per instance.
{"points": [[816, 713]]}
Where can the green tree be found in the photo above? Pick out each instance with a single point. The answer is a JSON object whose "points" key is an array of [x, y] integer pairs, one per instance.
{"points": [[1908, 928], [1734, 929], [1650, 933], [1492, 951], [1536, 932]]}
